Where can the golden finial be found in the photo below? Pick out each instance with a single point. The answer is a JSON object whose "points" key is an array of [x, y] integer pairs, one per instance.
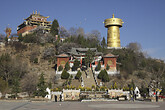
{"points": [[36, 11], [113, 16], [33, 12], [39, 13]]}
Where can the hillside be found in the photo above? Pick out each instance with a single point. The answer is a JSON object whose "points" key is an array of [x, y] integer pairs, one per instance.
{"points": [[35, 54], [36, 58]]}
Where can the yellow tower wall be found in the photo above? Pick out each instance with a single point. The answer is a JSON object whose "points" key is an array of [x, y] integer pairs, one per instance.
{"points": [[113, 37], [113, 34]]}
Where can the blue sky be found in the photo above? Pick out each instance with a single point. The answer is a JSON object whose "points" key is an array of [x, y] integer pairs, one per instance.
{"points": [[143, 19]]}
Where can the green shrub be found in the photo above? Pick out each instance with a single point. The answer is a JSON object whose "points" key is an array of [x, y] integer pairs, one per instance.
{"points": [[98, 67], [115, 86], [102, 88], [125, 88], [60, 68], [88, 89], [78, 75], [65, 74], [35, 60], [67, 66], [103, 75], [107, 67], [76, 65], [97, 88], [93, 86]]}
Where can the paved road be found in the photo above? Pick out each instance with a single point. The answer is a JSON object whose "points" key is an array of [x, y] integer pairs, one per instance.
{"points": [[125, 105]]}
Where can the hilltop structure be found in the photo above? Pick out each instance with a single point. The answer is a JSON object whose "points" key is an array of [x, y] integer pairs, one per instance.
{"points": [[34, 21], [113, 35]]}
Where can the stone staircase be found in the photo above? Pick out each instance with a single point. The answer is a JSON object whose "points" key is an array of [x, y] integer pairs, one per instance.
{"points": [[88, 78]]}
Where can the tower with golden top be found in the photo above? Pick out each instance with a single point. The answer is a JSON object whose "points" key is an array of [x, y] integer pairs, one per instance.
{"points": [[113, 35]]}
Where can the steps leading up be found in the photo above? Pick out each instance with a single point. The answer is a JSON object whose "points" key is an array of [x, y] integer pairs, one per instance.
{"points": [[88, 78]]}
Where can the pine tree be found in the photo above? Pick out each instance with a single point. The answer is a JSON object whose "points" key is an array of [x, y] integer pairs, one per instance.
{"points": [[67, 66], [89, 57], [76, 65], [65, 74], [41, 87], [100, 75], [103, 43], [98, 67], [107, 67], [78, 75], [54, 28], [103, 75], [60, 68]]}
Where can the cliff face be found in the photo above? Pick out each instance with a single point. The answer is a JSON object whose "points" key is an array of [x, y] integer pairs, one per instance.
{"points": [[39, 58]]}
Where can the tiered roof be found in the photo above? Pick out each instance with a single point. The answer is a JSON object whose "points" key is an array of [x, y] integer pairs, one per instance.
{"points": [[82, 51], [110, 55]]}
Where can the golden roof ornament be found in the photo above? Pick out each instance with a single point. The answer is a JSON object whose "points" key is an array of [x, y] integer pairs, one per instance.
{"points": [[113, 16]]}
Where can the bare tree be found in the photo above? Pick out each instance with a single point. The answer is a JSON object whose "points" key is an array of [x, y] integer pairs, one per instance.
{"points": [[29, 83], [80, 31], [76, 31], [67, 47], [136, 47], [12, 68], [72, 31], [49, 52], [64, 32], [95, 34]]}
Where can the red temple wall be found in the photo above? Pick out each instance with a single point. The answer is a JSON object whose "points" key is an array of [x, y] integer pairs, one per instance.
{"points": [[26, 28], [62, 60], [110, 59]]}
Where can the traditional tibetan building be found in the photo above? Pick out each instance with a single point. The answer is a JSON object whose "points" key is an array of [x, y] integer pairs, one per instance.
{"points": [[80, 53], [32, 22]]}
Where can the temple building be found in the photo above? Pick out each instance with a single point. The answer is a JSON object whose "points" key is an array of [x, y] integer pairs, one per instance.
{"points": [[80, 54], [34, 21]]}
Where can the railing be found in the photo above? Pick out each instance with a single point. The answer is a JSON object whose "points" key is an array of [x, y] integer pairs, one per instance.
{"points": [[109, 72], [58, 72], [113, 72], [95, 78], [70, 72]]}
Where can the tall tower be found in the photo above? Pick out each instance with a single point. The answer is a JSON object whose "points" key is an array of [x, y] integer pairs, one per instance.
{"points": [[113, 35]]}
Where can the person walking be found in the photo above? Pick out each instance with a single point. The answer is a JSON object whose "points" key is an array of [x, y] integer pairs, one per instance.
{"points": [[60, 97], [55, 97]]}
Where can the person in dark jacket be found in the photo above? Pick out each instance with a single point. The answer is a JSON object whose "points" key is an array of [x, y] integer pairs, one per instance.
{"points": [[55, 97]]}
